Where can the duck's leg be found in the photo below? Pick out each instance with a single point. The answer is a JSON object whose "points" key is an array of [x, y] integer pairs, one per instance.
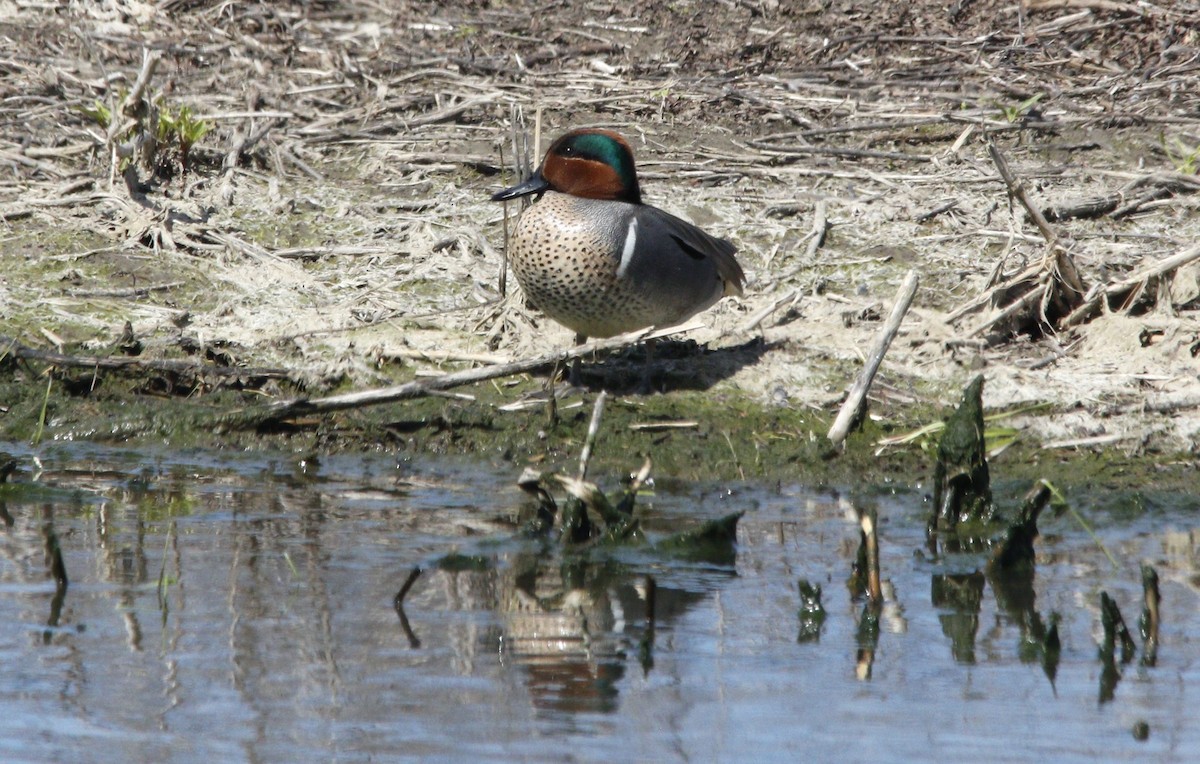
{"points": [[573, 376], [647, 385]]}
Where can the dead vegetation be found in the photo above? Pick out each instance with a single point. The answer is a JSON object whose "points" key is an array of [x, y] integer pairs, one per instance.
{"points": [[1035, 161]]}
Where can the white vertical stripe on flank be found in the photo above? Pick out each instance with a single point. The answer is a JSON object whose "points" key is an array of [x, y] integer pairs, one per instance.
{"points": [[630, 245]]}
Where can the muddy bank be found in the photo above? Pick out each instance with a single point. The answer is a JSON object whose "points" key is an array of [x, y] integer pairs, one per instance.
{"points": [[331, 226]]}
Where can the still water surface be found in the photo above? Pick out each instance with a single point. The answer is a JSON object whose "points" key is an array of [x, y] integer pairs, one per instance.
{"points": [[274, 637]]}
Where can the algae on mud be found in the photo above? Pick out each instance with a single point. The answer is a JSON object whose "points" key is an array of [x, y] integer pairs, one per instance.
{"points": [[736, 437]]}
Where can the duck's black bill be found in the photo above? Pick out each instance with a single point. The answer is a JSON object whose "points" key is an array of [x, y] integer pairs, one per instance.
{"points": [[535, 184]]}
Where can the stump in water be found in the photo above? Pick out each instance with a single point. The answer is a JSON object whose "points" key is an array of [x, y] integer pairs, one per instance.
{"points": [[961, 484]]}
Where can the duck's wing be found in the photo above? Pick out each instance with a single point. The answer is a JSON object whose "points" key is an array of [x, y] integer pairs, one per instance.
{"points": [[661, 229]]}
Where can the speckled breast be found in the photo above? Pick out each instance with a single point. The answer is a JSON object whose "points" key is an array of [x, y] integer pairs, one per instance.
{"points": [[565, 252]]}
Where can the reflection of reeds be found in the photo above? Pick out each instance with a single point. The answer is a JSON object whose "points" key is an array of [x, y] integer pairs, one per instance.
{"points": [[161, 587], [812, 612], [590, 516], [1148, 624], [869, 521], [398, 604], [58, 571], [1114, 631], [865, 579]]}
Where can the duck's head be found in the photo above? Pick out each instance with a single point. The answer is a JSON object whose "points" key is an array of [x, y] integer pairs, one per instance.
{"points": [[596, 164]]}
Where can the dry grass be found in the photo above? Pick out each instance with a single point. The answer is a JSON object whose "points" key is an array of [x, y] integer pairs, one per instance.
{"points": [[336, 217]]}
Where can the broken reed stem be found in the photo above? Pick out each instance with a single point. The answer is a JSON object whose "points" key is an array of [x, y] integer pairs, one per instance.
{"points": [[1159, 268], [593, 429], [537, 135], [1037, 294], [502, 277], [126, 111], [1016, 189], [41, 425], [869, 520], [640, 478], [150, 61], [1088, 529], [761, 314], [883, 340], [136, 110], [990, 294], [819, 228], [522, 169]]}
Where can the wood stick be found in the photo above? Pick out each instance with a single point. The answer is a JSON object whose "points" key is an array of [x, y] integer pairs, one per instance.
{"points": [[761, 314], [502, 276], [293, 407], [883, 340], [442, 356], [589, 442], [894, 156], [12, 346], [1035, 294], [820, 228], [1017, 189], [1090, 305]]}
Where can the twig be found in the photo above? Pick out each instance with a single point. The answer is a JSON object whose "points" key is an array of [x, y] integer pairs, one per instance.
{"points": [[820, 228], [133, 364], [442, 356], [815, 237], [1095, 440], [1016, 188], [1164, 404], [1059, 284], [683, 424], [1090, 305], [938, 210], [894, 156], [126, 292], [1020, 305], [593, 429], [883, 340], [761, 314], [419, 388], [1131, 198], [788, 114]]}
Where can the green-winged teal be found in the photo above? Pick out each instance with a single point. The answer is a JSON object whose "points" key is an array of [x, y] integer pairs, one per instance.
{"points": [[594, 258]]}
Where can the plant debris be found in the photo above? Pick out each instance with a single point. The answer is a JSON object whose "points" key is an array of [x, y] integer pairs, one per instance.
{"points": [[313, 193]]}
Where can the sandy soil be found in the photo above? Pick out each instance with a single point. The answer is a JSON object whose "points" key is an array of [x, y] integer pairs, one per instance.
{"points": [[335, 221]]}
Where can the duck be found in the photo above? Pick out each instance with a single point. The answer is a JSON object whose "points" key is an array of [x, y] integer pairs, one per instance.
{"points": [[592, 256]]}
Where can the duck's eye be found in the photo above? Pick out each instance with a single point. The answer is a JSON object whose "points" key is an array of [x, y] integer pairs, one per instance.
{"points": [[568, 150]]}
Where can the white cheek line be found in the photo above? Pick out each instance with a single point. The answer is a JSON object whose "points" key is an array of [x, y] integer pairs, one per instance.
{"points": [[630, 245]]}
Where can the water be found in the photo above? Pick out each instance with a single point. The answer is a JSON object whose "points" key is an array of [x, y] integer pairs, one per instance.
{"points": [[274, 635]]}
